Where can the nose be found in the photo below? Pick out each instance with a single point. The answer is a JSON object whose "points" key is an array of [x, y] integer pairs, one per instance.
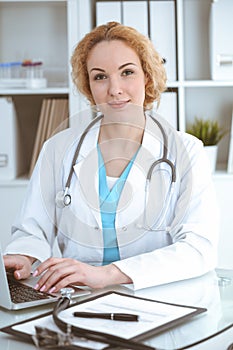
{"points": [[115, 86]]}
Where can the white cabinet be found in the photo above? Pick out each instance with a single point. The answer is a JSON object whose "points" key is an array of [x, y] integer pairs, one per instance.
{"points": [[224, 191], [202, 96], [12, 195], [49, 30], [44, 31]]}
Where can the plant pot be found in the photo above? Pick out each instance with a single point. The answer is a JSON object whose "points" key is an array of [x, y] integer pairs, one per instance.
{"points": [[212, 152]]}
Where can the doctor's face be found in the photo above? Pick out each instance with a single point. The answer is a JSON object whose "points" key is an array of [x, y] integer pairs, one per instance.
{"points": [[116, 76]]}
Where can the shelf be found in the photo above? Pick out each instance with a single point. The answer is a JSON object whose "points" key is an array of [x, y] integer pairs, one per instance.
{"points": [[222, 176], [174, 84], [65, 90], [47, 1], [206, 83], [21, 181], [199, 83], [44, 91]]}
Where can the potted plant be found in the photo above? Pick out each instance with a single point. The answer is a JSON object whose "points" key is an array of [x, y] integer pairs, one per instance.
{"points": [[210, 133]]}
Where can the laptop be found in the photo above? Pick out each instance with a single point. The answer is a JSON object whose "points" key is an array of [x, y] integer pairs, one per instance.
{"points": [[17, 295]]}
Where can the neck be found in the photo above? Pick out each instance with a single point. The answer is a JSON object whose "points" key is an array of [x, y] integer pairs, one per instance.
{"points": [[119, 140], [125, 132], [130, 130]]}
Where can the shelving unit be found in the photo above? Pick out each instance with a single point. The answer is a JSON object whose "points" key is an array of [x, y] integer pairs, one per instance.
{"points": [[203, 96], [198, 95], [36, 30], [50, 29]]}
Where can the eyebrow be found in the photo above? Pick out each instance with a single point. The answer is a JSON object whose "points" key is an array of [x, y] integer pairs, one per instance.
{"points": [[122, 66]]}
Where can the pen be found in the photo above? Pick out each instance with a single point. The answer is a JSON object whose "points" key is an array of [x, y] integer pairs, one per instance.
{"points": [[108, 316]]}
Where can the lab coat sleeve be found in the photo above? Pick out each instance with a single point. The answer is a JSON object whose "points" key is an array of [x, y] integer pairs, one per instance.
{"points": [[194, 230], [33, 232]]}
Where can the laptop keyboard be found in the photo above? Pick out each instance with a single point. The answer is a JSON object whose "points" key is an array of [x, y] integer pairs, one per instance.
{"points": [[21, 293]]}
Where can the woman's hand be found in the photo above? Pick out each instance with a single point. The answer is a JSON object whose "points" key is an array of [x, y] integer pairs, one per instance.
{"points": [[60, 272], [20, 265]]}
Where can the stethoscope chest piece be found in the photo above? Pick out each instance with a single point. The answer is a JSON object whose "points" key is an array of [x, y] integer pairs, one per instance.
{"points": [[63, 199], [67, 200]]}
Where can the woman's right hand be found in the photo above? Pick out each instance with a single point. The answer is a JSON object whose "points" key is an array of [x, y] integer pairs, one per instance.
{"points": [[20, 265]]}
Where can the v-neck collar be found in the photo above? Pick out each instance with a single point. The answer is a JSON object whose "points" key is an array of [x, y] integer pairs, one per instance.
{"points": [[105, 191]]}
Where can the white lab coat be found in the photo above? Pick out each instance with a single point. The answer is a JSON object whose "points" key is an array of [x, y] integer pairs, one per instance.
{"points": [[183, 245]]}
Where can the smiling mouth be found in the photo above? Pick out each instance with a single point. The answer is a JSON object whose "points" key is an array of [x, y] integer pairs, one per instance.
{"points": [[118, 104]]}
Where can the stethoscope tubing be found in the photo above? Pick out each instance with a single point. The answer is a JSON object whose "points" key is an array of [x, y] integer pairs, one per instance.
{"points": [[76, 154], [95, 336], [164, 159]]}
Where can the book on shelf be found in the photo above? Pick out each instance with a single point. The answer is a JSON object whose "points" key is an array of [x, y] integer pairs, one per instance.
{"points": [[163, 34], [132, 11], [108, 11], [230, 154], [168, 108], [53, 118]]}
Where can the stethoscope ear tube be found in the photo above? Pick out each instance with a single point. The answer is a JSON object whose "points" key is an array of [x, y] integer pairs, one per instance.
{"points": [[95, 336]]}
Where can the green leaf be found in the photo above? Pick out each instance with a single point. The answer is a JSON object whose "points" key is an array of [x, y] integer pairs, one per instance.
{"points": [[208, 131]]}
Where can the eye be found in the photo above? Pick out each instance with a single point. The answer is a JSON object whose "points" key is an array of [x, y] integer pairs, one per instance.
{"points": [[100, 76], [127, 72]]}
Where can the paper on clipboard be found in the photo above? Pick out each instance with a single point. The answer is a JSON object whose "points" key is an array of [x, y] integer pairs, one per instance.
{"points": [[154, 317]]}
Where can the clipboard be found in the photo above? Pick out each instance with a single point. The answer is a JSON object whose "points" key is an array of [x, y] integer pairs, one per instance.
{"points": [[155, 317]]}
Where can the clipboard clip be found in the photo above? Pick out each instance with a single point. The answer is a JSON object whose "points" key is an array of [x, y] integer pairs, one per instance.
{"points": [[49, 339]]}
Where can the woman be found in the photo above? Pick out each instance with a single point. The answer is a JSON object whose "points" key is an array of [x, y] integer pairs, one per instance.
{"points": [[113, 231]]}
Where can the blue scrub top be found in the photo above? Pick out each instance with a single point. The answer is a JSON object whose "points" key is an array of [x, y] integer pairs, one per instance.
{"points": [[108, 204]]}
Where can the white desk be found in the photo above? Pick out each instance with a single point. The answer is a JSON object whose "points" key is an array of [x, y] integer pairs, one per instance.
{"points": [[205, 292]]}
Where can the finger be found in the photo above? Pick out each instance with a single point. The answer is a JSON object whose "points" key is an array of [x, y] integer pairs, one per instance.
{"points": [[17, 265], [64, 282], [71, 274], [21, 273], [45, 266], [54, 274], [42, 282]]}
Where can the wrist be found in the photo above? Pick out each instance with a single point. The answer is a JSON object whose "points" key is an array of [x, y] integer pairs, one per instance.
{"points": [[117, 276]]}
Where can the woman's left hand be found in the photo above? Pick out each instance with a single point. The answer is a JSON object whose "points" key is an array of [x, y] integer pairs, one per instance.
{"points": [[58, 273]]}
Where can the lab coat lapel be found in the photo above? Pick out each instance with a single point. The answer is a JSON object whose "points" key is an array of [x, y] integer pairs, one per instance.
{"points": [[133, 193], [86, 170]]}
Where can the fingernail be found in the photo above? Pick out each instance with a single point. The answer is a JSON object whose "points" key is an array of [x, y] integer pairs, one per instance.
{"points": [[36, 286], [35, 273], [42, 288], [52, 290], [17, 274]]}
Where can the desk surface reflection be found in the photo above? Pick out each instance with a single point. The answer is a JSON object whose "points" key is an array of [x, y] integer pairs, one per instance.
{"points": [[213, 291]]}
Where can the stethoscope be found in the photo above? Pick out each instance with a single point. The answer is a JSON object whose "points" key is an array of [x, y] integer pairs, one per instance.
{"points": [[63, 198], [45, 337]]}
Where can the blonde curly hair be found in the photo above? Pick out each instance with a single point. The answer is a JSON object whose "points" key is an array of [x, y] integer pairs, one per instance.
{"points": [[151, 61]]}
